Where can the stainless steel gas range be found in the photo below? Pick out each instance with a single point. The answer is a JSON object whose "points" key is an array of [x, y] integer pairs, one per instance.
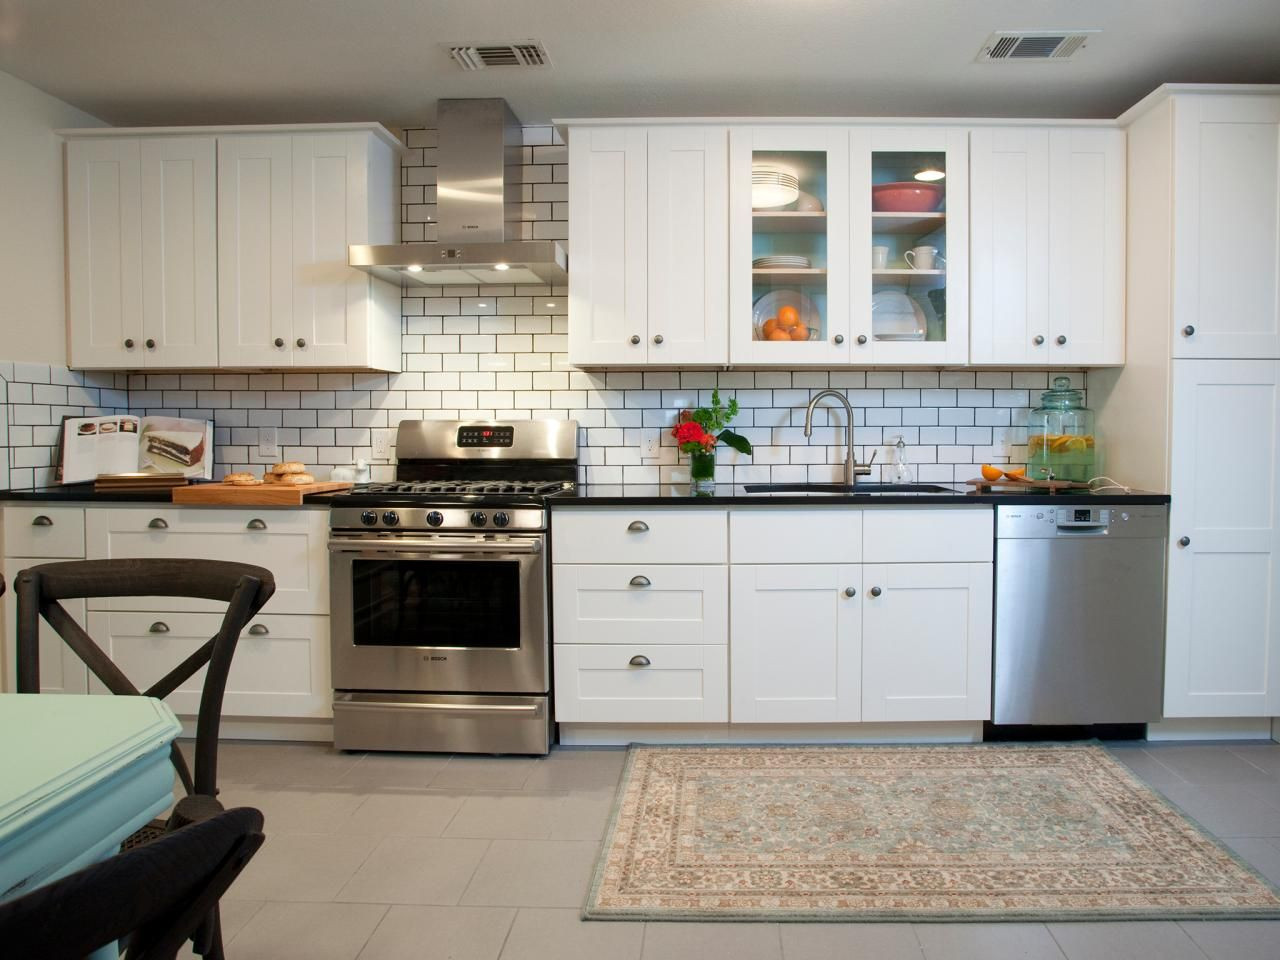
{"points": [[438, 591]]}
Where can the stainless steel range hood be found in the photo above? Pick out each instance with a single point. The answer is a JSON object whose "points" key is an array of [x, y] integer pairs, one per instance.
{"points": [[478, 180]]}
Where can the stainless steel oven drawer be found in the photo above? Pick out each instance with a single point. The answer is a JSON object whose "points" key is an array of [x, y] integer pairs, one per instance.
{"points": [[443, 723]]}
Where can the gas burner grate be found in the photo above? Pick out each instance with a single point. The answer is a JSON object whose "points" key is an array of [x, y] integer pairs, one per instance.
{"points": [[468, 487]]}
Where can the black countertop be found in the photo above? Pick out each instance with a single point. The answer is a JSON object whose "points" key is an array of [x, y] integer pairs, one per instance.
{"points": [[637, 494], [84, 493]]}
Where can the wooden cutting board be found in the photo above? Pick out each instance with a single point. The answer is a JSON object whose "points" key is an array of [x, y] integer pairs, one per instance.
{"points": [[1026, 486], [259, 495]]}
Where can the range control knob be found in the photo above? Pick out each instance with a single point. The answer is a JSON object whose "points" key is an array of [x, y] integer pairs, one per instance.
{"points": [[391, 518], [478, 518], [500, 519], [435, 518], [368, 518]]}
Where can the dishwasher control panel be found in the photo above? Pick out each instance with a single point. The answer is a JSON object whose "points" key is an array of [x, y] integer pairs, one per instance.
{"points": [[1033, 522]]}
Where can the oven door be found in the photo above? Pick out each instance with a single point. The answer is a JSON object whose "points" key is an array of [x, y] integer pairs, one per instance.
{"points": [[439, 614]]}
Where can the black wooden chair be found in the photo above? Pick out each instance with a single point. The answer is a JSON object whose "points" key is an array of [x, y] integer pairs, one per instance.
{"points": [[156, 895], [244, 588]]}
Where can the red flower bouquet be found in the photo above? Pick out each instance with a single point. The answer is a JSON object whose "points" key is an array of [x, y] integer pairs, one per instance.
{"points": [[698, 431]]}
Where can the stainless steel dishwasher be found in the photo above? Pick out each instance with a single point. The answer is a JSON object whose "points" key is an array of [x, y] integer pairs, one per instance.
{"points": [[1079, 620]]}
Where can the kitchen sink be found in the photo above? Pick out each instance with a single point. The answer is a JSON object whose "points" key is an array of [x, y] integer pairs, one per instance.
{"points": [[840, 488]]}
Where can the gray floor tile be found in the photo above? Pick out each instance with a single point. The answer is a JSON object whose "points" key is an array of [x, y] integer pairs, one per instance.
{"points": [[1230, 810], [1146, 766], [532, 873], [1261, 853], [1237, 939], [376, 771], [1130, 940], [987, 941], [531, 816], [282, 764], [425, 870], [702, 941], [485, 773], [1211, 764], [307, 931], [823, 941], [415, 814], [439, 933], [543, 934], [577, 769], [289, 810], [301, 867], [1263, 755]]}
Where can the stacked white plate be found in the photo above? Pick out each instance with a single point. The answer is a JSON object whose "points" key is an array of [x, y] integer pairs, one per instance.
{"points": [[781, 262]]}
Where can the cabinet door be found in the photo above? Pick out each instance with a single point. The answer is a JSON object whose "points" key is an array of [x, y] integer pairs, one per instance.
{"points": [[796, 642], [1086, 247], [255, 251], [608, 279], [330, 210], [926, 641], [280, 667], [1226, 245], [1009, 235], [789, 198], [104, 253], [179, 252], [688, 238], [915, 308], [1222, 654], [61, 671]]}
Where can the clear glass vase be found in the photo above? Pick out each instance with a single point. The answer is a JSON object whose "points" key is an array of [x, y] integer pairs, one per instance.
{"points": [[702, 470]]}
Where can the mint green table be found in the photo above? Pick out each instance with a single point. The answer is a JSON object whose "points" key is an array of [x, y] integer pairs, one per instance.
{"points": [[78, 774]]}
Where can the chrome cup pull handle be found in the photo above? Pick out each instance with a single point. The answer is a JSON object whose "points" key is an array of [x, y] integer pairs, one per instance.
{"points": [[42, 521], [159, 627], [256, 524], [639, 660], [641, 581], [158, 523], [258, 630], [638, 526]]}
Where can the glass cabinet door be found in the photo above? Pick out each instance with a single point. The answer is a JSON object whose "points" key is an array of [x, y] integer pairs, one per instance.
{"points": [[789, 245], [909, 245]]}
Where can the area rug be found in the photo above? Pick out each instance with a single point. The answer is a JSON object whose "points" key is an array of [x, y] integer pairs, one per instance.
{"points": [[907, 833]]}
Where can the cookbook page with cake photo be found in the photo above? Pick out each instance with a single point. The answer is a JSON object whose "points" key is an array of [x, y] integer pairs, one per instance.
{"points": [[117, 444]]}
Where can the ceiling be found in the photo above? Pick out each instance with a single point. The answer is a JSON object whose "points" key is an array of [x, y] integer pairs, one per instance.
{"points": [[241, 61]]}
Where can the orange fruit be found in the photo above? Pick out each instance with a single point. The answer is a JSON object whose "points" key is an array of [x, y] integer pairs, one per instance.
{"points": [[799, 332], [1018, 472], [991, 473], [768, 327], [780, 335], [788, 316]]}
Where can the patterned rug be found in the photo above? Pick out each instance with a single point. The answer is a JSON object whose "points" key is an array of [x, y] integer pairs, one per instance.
{"points": [[982, 832]]}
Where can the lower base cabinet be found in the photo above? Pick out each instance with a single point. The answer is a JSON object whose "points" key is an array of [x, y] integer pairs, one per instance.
{"points": [[637, 683], [61, 671]]}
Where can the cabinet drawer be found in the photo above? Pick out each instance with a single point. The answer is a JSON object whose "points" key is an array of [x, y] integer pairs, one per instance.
{"points": [[640, 603], [27, 534], [597, 683], [928, 535], [291, 543], [796, 535], [280, 667], [642, 535]]}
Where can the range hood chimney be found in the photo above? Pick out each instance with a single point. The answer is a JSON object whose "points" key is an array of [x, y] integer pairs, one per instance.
{"points": [[478, 179]]}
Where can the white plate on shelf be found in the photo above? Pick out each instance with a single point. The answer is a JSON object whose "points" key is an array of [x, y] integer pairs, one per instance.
{"points": [[895, 316], [773, 301], [802, 263]]}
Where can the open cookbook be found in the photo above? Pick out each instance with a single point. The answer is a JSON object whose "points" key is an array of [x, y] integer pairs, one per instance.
{"points": [[92, 446]]}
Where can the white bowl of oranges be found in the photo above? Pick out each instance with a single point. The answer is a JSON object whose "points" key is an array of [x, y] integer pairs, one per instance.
{"points": [[786, 316]]}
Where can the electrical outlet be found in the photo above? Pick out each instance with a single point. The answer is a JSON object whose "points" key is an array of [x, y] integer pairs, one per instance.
{"points": [[268, 445], [381, 444], [650, 441]]}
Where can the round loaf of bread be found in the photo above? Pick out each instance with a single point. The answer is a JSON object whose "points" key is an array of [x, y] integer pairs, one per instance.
{"points": [[295, 479], [241, 479], [293, 466]]}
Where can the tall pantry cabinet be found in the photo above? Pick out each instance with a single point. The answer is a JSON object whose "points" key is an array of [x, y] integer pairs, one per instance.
{"points": [[1196, 409]]}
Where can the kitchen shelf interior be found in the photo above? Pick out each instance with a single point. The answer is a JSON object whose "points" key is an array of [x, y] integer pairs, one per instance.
{"points": [[909, 246]]}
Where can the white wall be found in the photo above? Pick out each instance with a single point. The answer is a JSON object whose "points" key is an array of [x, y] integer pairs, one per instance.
{"points": [[32, 291]]}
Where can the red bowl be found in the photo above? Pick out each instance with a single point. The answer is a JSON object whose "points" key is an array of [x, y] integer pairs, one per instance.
{"points": [[906, 197]]}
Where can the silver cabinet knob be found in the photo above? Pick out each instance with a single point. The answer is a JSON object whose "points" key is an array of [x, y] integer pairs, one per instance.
{"points": [[258, 630], [862, 338], [128, 344], [1061, 341], [657, 338], [278, 341], [1184, 541], [876, 591], [638, 526], [641, 581], [635, 339], [159, 627], [159, 523], [256, 524], [1188, 330], [42, 521], [838, 338], [639, 660], [301, 343], [151, 344], [1038, 339], [850, 592]]}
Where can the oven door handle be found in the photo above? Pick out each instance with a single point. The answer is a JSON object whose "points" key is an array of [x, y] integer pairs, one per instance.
{"points": [[439, 547], [531, 709]]}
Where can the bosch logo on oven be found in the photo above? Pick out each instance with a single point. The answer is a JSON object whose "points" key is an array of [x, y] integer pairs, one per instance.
{"points": [[433, 657]]}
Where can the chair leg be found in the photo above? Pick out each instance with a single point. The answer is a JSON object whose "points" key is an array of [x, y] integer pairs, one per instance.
{"points": [[207, 940]]}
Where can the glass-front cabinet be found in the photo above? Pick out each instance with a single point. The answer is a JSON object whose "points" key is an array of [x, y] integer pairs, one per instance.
{"points": [[909, 264], [789, 208]]}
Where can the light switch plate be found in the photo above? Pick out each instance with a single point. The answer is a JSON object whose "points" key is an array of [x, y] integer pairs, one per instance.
{"points": [[268, 446]]}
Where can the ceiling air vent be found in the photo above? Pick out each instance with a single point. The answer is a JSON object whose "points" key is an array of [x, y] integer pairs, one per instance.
{"points": [[1010, 45], [521, 53]]}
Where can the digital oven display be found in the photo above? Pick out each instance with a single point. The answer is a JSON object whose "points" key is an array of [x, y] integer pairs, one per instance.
{"points": [[486, 436]]}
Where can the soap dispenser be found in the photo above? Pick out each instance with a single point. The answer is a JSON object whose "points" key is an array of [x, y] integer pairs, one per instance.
{"points": [[900, 469]]}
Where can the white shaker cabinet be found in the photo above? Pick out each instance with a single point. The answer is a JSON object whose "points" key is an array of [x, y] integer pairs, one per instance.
{"points": [[648, 233], [1047, 218]]}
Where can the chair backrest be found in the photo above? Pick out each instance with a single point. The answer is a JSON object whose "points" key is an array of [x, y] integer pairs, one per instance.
{"points": [[245, 589], [158, 894]]}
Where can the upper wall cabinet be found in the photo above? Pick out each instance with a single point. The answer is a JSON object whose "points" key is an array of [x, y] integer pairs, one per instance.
{"points": [[227, 247], [648, 234], [1048, 239], [1226, 229]]}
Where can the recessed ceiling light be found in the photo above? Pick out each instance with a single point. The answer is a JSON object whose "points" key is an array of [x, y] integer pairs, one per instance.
{"points": [[502, 266], [414, 268]]}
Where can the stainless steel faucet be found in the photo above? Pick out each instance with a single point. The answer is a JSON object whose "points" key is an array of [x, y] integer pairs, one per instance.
{"points": [[852, 469]]}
